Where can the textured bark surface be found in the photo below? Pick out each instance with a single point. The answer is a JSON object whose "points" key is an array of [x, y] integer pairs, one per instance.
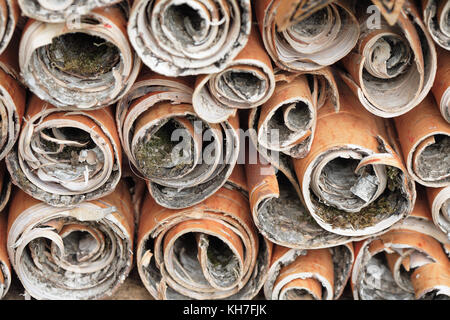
{"points": [[439, 203], [436, 16], [441, 87]]}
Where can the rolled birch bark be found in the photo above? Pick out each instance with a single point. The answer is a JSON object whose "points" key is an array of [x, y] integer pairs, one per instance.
{"points": [[320, 274], [353, 181], [12, 99], [209, 251], [5, 265], [9, 17], [425, 140], [5, 186], [184, 159], [66, 157], [441, 87], [181, 38], [439, 202], [56, 11], [79, 253], [286, 123], [86, 62], [409, 262], [436, 16], [320, 38], [392, 68], [245, 83], [390, 9]]}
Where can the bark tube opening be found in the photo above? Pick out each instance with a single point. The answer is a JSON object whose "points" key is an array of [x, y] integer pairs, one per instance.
{"points": [[436, 16], [78, 253], [180, 38], [83, 63]]}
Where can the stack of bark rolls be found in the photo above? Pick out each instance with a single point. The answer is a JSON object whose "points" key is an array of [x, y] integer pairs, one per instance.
{"points": [[225, 149]]}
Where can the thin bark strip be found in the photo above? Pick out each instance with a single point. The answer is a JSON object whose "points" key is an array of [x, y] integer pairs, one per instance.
{"points": [[183, 37], [390, 9], [56, 11], [9, 18], [183, 158], [66, 157], [392, 68], [425, 141], [353, 181], [5, 266], [286, 123], [439, 203], [441, 87], [320, 274], [5, 186], [80, 253], [409, 262], [86, 62], [436, 16], [320, 39], [209, 251], [245, 83]]}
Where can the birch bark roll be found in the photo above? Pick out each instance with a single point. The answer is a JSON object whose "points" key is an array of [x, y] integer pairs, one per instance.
{"points": [[353, 181], [181, 37], [436, 16], [245, 83], [209, 251], [56, 11], [441, 87], [321, 39], [12, 99], [425, 140], [80, 253], [5, 186], [5, 265], [9, 17], [66, 157], [86, 62], [184, 159], [409, 262], [439, 202], [392, 68], [320, 274], [286, 123]]}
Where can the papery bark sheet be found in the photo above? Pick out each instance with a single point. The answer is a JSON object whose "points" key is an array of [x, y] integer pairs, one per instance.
{"points": [[320, 274], [66, 157], [392, 68], [5, 265], [180, 38], [209, 251], [83, 63], [5, 186], [184, 159], [247, 82], [353, 181], [79, 253], [425, 141], [286, 123], [439, 203], [320, 39], [441, 87], [409, 262], [9, 18], [436, 16], [55, 11]]}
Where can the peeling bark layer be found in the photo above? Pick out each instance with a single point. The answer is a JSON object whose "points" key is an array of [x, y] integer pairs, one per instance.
{"points": [[439, 202], [209, 251], [245, 83], [353, 181], [392, 68], [441, 87], [320, 274], [83, 63], [5, 266], [316, 35], [183, 158], [436, 16], [56, 11], [181, 38], [425, 140], [66, 157], [9, 17], [79, 253], [409, 262]]}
